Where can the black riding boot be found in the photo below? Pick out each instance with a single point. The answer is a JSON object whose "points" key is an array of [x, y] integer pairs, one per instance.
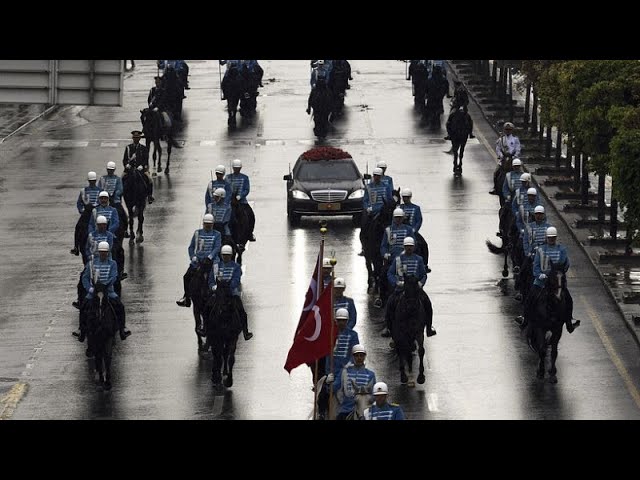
{"points": [[568, 320], [81, 294], [389, 312], [118, 307], [428, 307], [496, 175], [243, 318], [252, 222], [185, 301], [150, 198]]}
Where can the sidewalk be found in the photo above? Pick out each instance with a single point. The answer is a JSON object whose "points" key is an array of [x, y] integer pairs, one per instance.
{"points": [[620, 275]]}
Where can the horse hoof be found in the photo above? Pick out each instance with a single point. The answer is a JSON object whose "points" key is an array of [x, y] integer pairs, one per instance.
{"points": [[553, 379], [505, 273], [126, 234], [88, 353], [99, 387], [540, 375], [166, 170], [421, 378], [140, 239], [107, 386], [154, 174], [403, 378], [228, 382], [159, 169], [131, 241]]}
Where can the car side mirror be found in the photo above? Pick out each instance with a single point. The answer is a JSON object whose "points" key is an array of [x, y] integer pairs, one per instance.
{"points": [[287, 177], [367, 176]]}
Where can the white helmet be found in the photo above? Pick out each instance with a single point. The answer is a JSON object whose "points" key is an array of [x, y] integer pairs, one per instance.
{"points": [[226, 250], [525, 177], [358, 348], [398, 212], [342, 313], [237, 163], [380, 388], [92, 176], [101, 219], [219, 192], [208, 218], [508, 125], [111, 165], [532, 191], [103, 193], [538, 209], [103, 247], [320, 62], [377, 171], [408, 241], [406, 192], [381, 164], [552, 232], [326, 262], [340, 283], [516, 162], [220, 169]]}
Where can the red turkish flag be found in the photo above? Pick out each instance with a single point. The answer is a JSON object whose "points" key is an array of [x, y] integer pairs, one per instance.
{"points": [[314, 340], [312, 294]]}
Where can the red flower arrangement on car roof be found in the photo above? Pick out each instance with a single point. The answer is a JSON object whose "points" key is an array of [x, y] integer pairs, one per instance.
{"points": [[325, 153]]}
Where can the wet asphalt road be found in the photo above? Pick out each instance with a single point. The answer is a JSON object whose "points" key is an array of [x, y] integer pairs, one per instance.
{"points": [[478, 365]]}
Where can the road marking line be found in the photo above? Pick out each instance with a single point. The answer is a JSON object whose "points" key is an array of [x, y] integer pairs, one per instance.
{"points": [[50, 144], [78, 144], [11, 399], [218, 404], [432, 402], [109, 144], [208, 143], [635, 394], [274, 142]]}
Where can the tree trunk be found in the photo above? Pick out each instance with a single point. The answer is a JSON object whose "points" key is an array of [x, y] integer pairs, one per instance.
{"points": [[569, 153], [527, 107], [494, 77], [558, 147], [584, 187], [541, 133], [577, 170], [534, 114], [613, 231], [547, 147], [510, 95], [601, 204]]}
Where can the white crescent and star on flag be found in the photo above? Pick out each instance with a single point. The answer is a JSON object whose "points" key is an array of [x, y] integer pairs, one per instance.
{"points": [[318, 318]]}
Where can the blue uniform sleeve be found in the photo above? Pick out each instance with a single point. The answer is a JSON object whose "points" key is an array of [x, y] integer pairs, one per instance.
{"points": [[227, 217], [422, 271], [526, 246], [228, 193], [114, 222], [353, 315], [337, 382], [355, 340], [235, 278], [537, 270], [86, 277], [246, 188], [113, 274], [88, 245], [519, 223], [398, 414], [119, 189], [505, 187], [192, 247], [514, 203], [392, 274], [388, 191], [212, 277], [80, 203], [365, 199], [565, 257], [384, 245], [417, 219], [217, 245], [207, 195]]}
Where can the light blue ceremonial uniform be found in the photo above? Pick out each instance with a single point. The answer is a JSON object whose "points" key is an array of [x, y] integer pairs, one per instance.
{"points": [[511, 184], [321, 71], [362, 376], [413, 214], [215, 184], [544, 256], [94, 238], [347, 302], [98, 271], [221, 214], [239, 185], [88, 195], [393, 238], [110, 213], [342, 351], [525, 215], [205, 244], [229, 272], [387, 180], [388, 411], [113, 185], [375, 195], [231, 64], [535, 235], [404, 265]]}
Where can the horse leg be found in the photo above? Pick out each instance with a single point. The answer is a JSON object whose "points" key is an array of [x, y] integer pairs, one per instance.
{"points": [[555, 339], [140, 238], [461, 155], [542, 351], [97, 360], [197, 317], [132, 236], [505, 268], [403, 376], [231, 355], [421, 351], [216, 349], [107, 354], [158, 147], [170, 141]]}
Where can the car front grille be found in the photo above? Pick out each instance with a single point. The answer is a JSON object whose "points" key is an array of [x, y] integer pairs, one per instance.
{"points": [[329, 195]]}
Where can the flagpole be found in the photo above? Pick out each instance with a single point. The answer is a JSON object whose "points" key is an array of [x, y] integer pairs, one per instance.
{"points": [[320, 287], [331, 343]]}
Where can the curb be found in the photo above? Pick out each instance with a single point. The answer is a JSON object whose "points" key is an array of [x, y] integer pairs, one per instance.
{"points": [[40, 115], [627, 321]]}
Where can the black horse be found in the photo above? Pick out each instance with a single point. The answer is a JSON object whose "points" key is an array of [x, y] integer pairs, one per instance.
{"points": [[338, 84], [135, 195], [82, 232], [321, 100], [510, 236], [101, 328], [157, 126], [407, 327], [240, 226], [199, 295], [419, 75], [437, 88], [173, 84], [459, 127], [222, 329], [548, 313], [235, 88], [371, 235]]}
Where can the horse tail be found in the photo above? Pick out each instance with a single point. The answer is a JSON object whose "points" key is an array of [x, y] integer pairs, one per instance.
{"points": [[494, 249]]}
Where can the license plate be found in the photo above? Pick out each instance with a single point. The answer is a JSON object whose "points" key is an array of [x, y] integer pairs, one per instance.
{"points": [[329, 206]]}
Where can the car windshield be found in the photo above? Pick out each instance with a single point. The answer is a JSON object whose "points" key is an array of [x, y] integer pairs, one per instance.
{"points": [[327, 170]]}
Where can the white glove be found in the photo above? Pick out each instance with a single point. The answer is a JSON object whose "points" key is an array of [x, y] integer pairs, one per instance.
{"points": [[400, 283], [369, 209], [329, 380], [214, 287], [542, 276], [237, 197], [420, 284], [387, 256], [140, 167], [194, 259], [127, 166], [91, 290]]}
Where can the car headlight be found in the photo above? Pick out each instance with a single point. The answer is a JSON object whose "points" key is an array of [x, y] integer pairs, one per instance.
{"points": [[357, 194], [300, 195]]}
